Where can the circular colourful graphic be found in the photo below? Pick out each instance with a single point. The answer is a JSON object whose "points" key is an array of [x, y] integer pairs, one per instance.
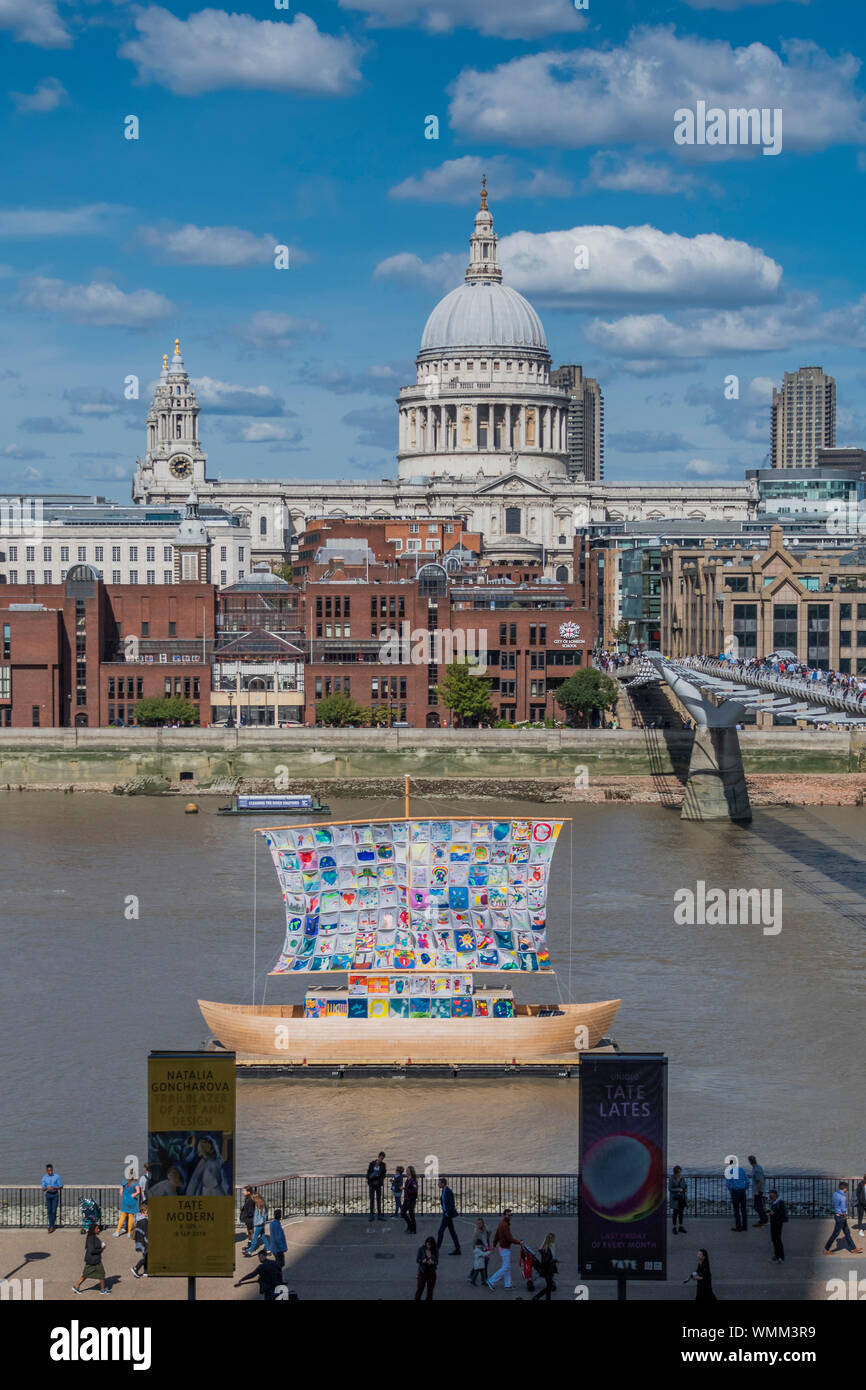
{"points": [[624, 1177], [541, 831]]}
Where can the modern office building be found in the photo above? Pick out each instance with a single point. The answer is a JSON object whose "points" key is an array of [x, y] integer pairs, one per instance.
{"points": [[585, 425], [803, 418]]}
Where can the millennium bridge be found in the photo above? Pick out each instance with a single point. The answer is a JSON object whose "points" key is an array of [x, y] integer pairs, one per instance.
{"points": [[717, 695]]}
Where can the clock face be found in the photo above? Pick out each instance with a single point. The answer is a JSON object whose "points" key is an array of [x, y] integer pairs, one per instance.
{"points": [[180, 466]]}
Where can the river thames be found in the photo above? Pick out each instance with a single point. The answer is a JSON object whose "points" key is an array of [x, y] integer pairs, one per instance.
{"points": [[764, 1032]]}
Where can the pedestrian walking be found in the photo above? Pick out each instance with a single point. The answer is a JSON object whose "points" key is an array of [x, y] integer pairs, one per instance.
{"points": [[778, 1217], [139, 1270], [702, 1276], [277, 1236], [678, 1193], [428, 1260], [840, 1222], [479, 1261], [759, 1179], [268, 1275], [128, 1208], [397, 1184], [545, 1263], [143, 1184], [410, 1198], [503, 1241], [93, 1266], [860, 1198], [52, 1184], [260, 1235], [248, 1211], [376, 1171], [738, 1185], [449, 1211]]}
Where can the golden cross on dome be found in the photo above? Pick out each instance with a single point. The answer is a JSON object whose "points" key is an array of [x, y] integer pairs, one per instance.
{"points": [[177, 347], [165, 361], [484, 193]]}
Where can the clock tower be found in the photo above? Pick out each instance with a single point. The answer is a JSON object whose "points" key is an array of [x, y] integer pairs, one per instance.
{"points": [[174, 460]]}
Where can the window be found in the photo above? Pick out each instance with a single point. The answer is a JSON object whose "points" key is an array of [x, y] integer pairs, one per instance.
{"points": [[46, 554], [31, 552], [115, 577], [223, 579], [413, 528], [7, 641], [133, 553], [746, 627], [167, 577], [168, 685], [263, 526], [223, 553], [151, 553], [133, 576], [145, 629], [115, 554], [13, 552], [172, 629], [512, 521], [151, 576], [240, 553], [46, 576], [99, 554], [30, 577], [785, 626], [166, 553], [13, 576], [512, 634], [196, 687], [35, 717], [111, 687], [818, 635]]}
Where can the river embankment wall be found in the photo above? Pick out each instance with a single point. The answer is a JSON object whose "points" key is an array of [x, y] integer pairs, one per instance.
{"points": [[102, 759]]}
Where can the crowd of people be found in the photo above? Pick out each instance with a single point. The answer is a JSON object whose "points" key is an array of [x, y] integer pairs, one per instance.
{"points": [[831, 682]]}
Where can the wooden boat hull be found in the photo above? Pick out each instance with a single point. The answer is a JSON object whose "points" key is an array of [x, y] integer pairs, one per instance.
{"points": [[278, 1032]]}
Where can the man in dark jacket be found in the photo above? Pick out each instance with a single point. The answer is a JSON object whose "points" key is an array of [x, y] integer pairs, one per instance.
{"points": [[778, 1217], [376, 1181], [449, 1211], [248, 1208]]}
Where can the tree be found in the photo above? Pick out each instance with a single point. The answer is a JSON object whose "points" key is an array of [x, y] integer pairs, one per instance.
{"points": [[587, 692], [379, 716], [166, 709], [622, 630], [283, 571], [466, 695], [340, 711]]}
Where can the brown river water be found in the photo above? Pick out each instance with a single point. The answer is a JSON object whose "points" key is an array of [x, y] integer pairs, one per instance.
{"points": [[766, 1033]]}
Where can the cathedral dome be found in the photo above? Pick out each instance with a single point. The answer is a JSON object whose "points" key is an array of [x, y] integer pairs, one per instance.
{"points": [[483, 314]]}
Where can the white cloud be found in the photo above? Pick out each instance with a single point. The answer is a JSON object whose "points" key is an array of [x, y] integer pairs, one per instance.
{"points": [[48, 424], [268, 331], [225, 246], [702, 467], [639, 265], [262, 432], [500, 19], [47, 96], [99, 303], [91, 219], [628, 95], [34, 21], [799, 320], [93, 401], [630, 174], [21, 451], [213, 50], [225, 398], [459, 181]]}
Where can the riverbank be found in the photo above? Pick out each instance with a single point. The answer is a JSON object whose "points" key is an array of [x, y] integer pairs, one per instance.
{"points": [[784, 767]]}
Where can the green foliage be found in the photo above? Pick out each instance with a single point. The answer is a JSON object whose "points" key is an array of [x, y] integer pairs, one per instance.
{"points": [[166, 709], [466, 695], [340, 711], [621, 631], [283, 571], [587, 692], [377, 717]]}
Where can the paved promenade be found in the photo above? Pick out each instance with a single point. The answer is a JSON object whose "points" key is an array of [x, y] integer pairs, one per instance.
{"points": [[344, 1258]]}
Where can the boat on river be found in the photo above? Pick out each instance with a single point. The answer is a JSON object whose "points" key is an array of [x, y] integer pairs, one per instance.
{"points": [[253, 804], [413, 914]]}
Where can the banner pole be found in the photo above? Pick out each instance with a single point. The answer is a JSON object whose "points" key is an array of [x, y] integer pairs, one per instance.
{"points": [[190, 1288]]}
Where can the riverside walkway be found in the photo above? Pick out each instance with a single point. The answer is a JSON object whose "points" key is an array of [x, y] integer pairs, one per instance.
{"points": [[346, 1259]]}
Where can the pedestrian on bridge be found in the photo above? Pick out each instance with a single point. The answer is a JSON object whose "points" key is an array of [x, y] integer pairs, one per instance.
{"points": [[778, 1217], [737, 1183], [51, 1187], [758, 1177], [840, 1222]]}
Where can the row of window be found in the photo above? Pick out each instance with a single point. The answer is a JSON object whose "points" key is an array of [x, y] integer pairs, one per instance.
{"points": [[99, 553], [116, 577]]}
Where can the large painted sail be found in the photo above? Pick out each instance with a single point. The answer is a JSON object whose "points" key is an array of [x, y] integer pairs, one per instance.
{"points": [[415, 895]]}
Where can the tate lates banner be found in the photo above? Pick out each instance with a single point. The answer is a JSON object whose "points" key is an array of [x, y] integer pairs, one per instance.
{"points": [[623, 1166], [190, 1150]]}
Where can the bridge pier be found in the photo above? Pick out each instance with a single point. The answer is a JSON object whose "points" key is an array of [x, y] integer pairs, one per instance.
{"points": [[716, 786]]}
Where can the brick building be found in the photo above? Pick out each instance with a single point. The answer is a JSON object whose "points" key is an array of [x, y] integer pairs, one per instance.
{"points": [[399, 541], [386, 642], [84, 653]]}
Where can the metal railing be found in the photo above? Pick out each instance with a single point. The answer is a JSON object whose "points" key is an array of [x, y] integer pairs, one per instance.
{"points": [[481, 1194]]}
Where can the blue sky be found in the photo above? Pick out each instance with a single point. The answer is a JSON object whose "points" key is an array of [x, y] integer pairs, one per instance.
{"points": [[306, 127]]}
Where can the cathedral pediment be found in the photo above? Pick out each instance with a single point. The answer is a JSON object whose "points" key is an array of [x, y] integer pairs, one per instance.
{"points": [[514, 485]]}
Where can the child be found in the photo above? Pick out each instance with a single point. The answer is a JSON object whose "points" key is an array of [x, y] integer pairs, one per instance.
{"points": [[397, 1191], [479, 1262], [278, 1239], [483, 1234]]}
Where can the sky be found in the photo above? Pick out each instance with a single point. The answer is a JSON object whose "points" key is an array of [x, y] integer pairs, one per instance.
{"points": [[306, 124]]}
